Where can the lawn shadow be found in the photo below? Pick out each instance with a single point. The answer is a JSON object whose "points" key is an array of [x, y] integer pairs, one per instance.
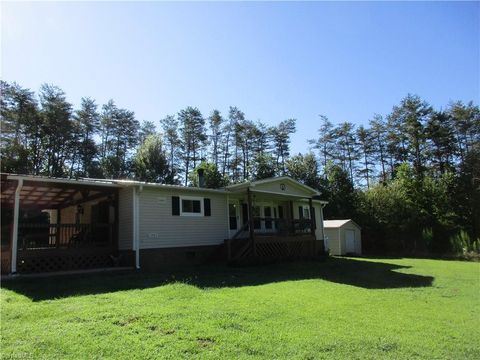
{"points": [[356, 272]]}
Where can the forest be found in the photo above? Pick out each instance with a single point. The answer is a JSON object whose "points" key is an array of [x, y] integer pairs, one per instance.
{"points": [[410, 178]]}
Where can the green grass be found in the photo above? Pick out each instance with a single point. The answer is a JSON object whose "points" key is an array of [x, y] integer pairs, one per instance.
{"points": [[333, 309]]}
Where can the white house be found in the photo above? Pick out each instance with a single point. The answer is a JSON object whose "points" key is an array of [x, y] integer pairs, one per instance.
{"points": [[58, 224]]}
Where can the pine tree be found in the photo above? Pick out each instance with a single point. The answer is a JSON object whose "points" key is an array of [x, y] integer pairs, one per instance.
{"points": [[173, 144], [193, 134]]}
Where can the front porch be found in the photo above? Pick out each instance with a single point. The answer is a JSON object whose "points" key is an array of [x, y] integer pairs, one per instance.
{"points": [[283, 223], [57, 225]]}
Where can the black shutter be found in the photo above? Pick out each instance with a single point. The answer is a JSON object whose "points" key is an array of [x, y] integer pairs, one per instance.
{"points": [[175, 205], [300, 212], [280, 212], [207, 211], [314, 219]]}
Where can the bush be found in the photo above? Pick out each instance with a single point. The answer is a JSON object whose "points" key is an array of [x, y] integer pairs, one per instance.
{"points": [[461, 243]]}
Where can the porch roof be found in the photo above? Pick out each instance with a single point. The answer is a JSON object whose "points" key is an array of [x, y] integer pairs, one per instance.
{"points": [[51, 193], [265, 186]]}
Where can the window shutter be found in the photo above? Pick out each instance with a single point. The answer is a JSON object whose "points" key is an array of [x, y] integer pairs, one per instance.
{"points": [[207, 211], [175, 205], [314, 219], [300, 212]]}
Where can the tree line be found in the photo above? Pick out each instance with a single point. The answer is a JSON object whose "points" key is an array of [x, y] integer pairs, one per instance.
{"points": [[410, 177]]}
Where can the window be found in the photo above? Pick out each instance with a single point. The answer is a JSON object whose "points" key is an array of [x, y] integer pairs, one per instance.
{"points": [[304, 212], [191, 206]]}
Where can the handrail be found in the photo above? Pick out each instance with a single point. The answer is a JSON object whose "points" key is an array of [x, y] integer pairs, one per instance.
{"points": [[242, 229]]}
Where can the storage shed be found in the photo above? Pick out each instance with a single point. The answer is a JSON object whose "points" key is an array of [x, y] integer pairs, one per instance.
{"points": [[343, 237]]}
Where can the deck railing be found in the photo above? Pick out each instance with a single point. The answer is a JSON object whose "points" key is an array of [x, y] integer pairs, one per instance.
{"points": [[282, 227], [41, 236]]}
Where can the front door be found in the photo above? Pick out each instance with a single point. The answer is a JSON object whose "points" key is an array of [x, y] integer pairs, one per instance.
{"points": [[264, 215], [233, 218]]}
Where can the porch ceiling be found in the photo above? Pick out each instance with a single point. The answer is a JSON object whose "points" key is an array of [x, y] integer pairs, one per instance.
{"points": [[44, 195]]}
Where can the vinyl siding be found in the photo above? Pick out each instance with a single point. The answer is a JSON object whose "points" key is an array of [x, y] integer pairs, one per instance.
{"points": [[125, 219], [332, 243], [290, 188], [160, 229], [338, 246]]}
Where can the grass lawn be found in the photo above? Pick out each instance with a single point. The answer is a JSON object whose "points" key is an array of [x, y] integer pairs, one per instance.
{"points": [[332, 309]]}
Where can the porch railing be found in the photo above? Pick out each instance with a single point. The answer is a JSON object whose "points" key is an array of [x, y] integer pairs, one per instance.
{"points": [[41, 236], [282, 227]]}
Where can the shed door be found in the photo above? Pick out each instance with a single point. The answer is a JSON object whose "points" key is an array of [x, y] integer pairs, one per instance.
{"points": [[350, 241]]}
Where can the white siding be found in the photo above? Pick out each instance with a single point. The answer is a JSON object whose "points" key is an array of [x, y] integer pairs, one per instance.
{"points": [[160, 229], [338, 245], [125, 219], [276, 186], [332, 243]]}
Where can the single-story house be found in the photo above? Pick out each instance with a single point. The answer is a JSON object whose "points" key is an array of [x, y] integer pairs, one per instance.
{"points": [[343, 237], [51, 224]]}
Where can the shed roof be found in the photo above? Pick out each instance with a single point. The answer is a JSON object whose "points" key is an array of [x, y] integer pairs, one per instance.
{"points": [[338, 223]]}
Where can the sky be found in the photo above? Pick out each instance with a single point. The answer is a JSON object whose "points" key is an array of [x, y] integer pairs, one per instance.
{"points": [[273, 60]]}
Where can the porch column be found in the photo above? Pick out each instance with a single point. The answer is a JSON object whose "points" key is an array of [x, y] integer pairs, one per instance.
{"points": [[312, 226], [250, 220], [312, 220], [16, 210]]}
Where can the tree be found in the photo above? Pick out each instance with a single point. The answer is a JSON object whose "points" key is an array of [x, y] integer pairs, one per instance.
{"points": [[412, 115], [213, 178], [465, 120], [20, 138], [304, 168], [281, 142], [325, 144], [345, 139], [56, 130], [150, 161], [341, 196], [86, 124], [440, 141], [263, 167], [379, 139], [365, 142], [236, 118], [216, 122], [119, 136], [173, 144], [148, 128], [193, 136]]}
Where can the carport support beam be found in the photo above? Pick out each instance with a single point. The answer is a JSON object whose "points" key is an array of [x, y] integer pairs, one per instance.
{"points": [[16, 211]]}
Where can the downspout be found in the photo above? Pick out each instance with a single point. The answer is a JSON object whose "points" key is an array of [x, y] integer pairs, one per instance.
{"points": [[136, 224], [323, 229], [16, 210], [339, 241], [228, 217]]}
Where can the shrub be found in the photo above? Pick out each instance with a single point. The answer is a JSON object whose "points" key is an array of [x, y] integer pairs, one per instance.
{"points": [[461, 243]]}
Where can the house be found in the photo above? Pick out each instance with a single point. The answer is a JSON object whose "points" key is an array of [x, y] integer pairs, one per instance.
{"points": [[52, 224], [343, 237]]}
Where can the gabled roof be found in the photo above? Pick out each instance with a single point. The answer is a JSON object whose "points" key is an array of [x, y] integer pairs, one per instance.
{"points": [[338, 223], [247, 184]]}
